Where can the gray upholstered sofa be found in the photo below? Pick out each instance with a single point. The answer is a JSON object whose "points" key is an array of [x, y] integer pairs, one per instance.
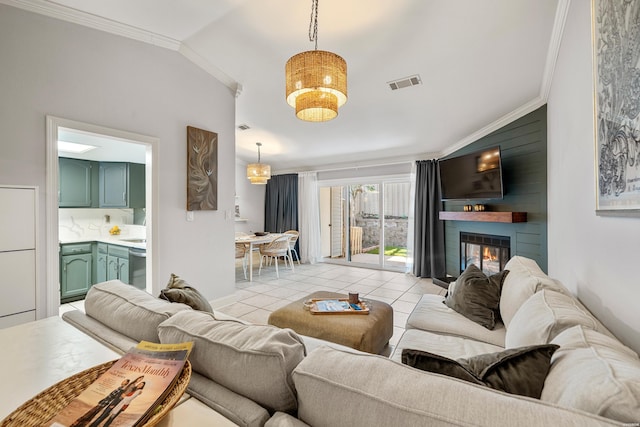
{"points": [[260, 375]]}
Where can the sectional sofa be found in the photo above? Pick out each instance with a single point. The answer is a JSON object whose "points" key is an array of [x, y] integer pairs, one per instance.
{"points": [[260, 375]]}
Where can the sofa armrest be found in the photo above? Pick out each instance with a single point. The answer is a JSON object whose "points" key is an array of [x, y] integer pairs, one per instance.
{"points": [[98, 331]]}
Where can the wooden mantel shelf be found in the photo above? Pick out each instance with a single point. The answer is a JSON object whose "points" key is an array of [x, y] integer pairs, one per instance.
{"points": [[484, 216]]}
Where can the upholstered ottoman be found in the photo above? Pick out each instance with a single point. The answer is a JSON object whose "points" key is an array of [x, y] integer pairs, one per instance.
{"points": [[369, 333]]}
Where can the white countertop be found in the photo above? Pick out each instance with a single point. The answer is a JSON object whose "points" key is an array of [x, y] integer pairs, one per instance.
{"points": [[112, 240], [38, 354]]}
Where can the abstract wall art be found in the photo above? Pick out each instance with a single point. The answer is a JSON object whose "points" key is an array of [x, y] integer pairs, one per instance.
{"points": [[202, 169]]}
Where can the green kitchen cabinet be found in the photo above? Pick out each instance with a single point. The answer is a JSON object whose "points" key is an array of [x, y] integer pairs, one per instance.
{"points": [[101, 263], [118, 263], [75, 271], [76, 183], [122, 185]]}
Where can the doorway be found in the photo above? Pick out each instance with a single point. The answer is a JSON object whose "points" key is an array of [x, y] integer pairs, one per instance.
{"points": [[365, 223], [60, 129]]}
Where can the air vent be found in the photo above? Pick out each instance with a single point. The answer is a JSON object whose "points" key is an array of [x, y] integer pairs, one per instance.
{"points": [[405, 82], [243, 127]]}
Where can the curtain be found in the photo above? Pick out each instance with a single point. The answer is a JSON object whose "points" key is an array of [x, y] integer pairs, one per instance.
{"points": [[309, 210], [408, 268], [428, 248], [281, 203]]}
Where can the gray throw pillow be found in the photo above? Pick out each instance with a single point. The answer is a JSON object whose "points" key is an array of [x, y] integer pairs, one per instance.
{"points": [[476, 296], [519, 371], [178, 290]]}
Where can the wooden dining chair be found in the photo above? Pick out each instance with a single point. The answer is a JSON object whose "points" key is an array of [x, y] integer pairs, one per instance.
{"points": [[272, 251]]}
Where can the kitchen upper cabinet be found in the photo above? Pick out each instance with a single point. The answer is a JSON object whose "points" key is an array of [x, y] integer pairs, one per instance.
{"points": [[76, 183], [122, 185]]}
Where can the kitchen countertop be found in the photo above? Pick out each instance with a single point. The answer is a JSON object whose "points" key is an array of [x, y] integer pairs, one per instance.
{"points": [[112, 240]]}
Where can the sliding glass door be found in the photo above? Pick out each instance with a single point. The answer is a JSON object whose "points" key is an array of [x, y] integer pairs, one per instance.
{"points": [[365, 223]]}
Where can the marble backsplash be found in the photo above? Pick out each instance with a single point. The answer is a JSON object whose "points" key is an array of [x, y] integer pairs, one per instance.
{"points": [[90, 224]]}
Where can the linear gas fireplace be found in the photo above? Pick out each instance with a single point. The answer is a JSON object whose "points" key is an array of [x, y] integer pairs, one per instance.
{"points": [[489, 253]]}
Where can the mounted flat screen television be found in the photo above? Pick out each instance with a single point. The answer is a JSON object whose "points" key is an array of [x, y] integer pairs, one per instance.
{"points": [[471, 176]]}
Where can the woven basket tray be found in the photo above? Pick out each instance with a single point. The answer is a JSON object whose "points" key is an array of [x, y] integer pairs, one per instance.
{"points": [[49, 402]]}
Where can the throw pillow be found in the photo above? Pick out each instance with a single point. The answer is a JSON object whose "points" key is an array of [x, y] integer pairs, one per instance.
{"points": [[178, 290], [519, 371], [476, 296]]}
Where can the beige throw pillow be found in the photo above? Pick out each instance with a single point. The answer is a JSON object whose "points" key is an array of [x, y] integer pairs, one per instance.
{"points": [[543, 316], [594, 373]]}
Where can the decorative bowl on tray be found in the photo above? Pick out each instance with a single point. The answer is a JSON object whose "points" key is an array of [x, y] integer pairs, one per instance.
{"points": [[261, 233]]}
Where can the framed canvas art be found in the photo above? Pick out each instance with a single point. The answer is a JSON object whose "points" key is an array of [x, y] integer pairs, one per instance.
{"points": [[202, 169], [616, 58]]}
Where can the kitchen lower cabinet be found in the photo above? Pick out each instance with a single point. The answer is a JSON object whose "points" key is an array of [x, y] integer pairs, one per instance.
{"points": [[118, 263], [75, 271], [101, 263]]}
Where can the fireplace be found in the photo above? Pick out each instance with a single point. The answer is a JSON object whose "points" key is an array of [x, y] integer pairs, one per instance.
{"points": [[489, 253]]}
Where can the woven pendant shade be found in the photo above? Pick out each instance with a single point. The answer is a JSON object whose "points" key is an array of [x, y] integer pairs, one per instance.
{"points": [[258, 173], [316, 84]]}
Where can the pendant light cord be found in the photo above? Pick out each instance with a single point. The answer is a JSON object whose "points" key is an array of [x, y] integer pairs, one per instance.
{"points": [[313, 24]]}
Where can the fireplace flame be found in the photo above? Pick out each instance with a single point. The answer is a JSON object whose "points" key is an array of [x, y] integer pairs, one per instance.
{"points": [[488, 256]]}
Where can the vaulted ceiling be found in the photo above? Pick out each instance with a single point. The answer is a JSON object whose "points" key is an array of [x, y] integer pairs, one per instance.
{"points": [[482, 63]]}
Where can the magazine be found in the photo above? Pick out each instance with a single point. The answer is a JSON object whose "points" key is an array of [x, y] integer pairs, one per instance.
{"points": [[332, 305], [130, 391]]}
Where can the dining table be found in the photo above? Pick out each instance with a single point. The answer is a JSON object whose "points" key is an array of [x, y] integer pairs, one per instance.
{"points": [[252, 241]]}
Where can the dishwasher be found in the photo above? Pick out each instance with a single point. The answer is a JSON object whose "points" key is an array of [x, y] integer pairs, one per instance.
{"points": [[138, 267]]}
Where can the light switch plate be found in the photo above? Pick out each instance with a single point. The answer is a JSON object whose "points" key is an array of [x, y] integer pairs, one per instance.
{"points": [[190, 216]]}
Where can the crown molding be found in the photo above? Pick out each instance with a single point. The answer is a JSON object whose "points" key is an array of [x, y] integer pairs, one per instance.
{"points": [[554, 47], [216, 72], [64, 13], [510, 117]]}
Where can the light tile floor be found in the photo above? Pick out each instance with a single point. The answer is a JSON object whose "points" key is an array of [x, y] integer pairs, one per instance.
{"points": [[256, 300]]}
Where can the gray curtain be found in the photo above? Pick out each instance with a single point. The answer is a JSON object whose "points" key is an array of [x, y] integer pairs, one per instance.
{"points": [[429, 260], [281, 203]]}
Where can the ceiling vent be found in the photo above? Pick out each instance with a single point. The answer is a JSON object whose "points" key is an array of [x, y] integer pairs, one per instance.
{"points": [[405, 82], [243, 127]]}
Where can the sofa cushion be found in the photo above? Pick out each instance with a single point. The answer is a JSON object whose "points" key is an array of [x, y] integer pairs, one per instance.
{"points": [[255, 361], [444, 345], [476, 296], [543, 316], [430, 314], [525, 278], [518, 370], [178, 290], [129, 310], [594, 373]]}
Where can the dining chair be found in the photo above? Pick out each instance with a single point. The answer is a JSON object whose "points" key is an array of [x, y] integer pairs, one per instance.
{"points": [[294, 234], [241, 252], [272, 251]]}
